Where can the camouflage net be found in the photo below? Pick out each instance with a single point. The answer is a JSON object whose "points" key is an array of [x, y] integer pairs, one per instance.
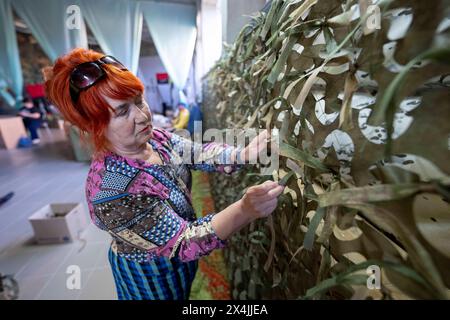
{"points": [[362, 115]]}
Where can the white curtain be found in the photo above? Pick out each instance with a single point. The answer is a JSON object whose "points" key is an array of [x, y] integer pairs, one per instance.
{"points": [[173, 30], [10, 69], [117, 26], [52, 24]]}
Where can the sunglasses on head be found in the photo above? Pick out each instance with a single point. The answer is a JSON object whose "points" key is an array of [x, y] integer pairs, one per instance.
{"points": [[87, 74]]}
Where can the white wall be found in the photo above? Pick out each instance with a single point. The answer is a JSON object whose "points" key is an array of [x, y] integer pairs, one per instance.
{"points": [[211, 34], [209, 40], [234, 14], [219, 21]]}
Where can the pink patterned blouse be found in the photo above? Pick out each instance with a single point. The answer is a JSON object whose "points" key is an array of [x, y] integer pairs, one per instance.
{"points": [[147, 208]]}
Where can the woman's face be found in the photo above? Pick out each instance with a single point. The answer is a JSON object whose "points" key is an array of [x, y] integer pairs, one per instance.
{"points": [[131, 123]]}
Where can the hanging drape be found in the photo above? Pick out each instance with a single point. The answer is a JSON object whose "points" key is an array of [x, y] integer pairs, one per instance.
{"points": [[173, 30], [117, 26], [10, 69], [52, 24]]}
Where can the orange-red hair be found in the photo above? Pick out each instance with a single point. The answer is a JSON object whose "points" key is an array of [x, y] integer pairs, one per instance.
{"points": [[91, 114]]}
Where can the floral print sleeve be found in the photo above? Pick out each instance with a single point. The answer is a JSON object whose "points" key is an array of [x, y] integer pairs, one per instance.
{"points": [[210, 157]]}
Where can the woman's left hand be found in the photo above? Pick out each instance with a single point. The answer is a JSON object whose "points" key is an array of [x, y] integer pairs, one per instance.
{"points": [[256, 147]]}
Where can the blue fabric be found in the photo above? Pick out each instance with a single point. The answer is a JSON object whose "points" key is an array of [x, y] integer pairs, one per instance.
{"points": [[32, 125], [176, 197], [195, 114], [24, 142], [157, 279]]}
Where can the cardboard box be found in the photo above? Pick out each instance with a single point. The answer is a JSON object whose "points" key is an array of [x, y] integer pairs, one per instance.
{"points": [[11, 129], [58, 223]]}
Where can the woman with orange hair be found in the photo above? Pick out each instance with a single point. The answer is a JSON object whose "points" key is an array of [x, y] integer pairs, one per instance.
{"points": [[138, 186]]}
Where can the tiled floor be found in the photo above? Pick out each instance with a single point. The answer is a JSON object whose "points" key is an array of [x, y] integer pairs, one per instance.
{"points": [[38, 176]]}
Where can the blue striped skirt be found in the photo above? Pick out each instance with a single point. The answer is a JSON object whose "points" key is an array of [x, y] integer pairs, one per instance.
{"points": [[159, 279]]}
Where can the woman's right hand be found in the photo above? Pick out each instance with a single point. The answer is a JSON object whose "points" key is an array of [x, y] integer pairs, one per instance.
{"points": [[261, 200], [258, 202]]}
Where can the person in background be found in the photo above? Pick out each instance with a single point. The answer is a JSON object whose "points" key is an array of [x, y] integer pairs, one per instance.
{"points": [[32, 118], [169, 113], [181, 117], [195, 115]]}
